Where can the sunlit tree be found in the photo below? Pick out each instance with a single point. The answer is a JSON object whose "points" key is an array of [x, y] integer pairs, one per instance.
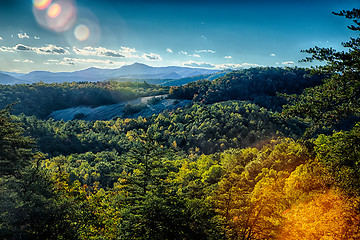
{"points": [[326, 216]]}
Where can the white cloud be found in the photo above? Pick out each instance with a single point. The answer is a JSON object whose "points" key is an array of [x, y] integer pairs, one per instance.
{"points": [[195, 55], [273, 55], [229, 66], [1, 38], [21, 47], [288, 63], [51, 61], [99, 51], [37, 38], [128, 49], [66, 62], [169, 50], [237, 66], [48, 49], [248, 65], [152, 57], [129, 52], [23, 35], [23, 61], [204, 37], [6, 49], [198, 64], [51, 49], [219, 66], [205, 51], [87, 60], [75, 61], [183, 53], [123, 52], [228, 57]]}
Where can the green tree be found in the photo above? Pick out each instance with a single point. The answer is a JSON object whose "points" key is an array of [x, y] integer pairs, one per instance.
{"points": [[15, 149], [340, 154], [338, 98], [29, 205], [27, 208], [149, 204]]}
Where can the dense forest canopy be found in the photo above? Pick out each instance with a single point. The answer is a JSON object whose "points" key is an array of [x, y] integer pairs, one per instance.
{"points": [[196, 129], [259, 85], [40, 99], [224, 167]]}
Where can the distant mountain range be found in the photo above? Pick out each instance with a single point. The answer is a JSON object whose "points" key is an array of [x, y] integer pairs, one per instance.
{"points": [[137, 71], [7, 79], [176, 82]]}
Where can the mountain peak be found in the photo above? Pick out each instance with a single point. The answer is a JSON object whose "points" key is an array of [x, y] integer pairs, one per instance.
{"points": [[138, 64], [133, 68], [93, 68]]}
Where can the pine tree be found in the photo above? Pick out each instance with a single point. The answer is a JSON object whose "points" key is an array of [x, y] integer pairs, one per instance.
{"points": [[15, 149], [150, 206], [27, 204], [338, 98]]}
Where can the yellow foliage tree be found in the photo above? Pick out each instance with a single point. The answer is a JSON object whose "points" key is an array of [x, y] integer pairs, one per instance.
{"points": [[326, 216]]}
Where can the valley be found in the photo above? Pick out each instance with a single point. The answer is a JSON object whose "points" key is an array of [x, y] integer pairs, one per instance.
{"points": [[207, 154], [144, 107], [237, 141]]}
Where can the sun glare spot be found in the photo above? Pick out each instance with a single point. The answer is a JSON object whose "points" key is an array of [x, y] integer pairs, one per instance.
{"points": [[82, 32], [54, 10], [41, 4]]}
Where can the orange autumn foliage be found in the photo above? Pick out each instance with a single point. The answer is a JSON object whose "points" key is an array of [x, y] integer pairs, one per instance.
{"points": [[327, 216]]}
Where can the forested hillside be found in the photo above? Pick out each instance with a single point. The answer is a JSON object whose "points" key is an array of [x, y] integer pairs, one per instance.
{"points": [[224, 167], [40, 99], [197, 129], [151, 191], [259, 85]]}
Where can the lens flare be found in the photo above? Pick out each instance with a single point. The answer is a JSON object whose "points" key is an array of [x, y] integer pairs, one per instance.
{"points": [[54, 10], [86, 31], [60, 15], [41, 4], [82, 32]]}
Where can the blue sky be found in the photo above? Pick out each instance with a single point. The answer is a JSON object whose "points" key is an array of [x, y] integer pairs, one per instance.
{"points": [[65, 35]]}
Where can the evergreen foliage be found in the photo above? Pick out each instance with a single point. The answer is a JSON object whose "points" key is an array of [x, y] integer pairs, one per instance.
{"points": [[40, 99], [258, 85], [15, 151], [337, 98], [225, 170]]}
